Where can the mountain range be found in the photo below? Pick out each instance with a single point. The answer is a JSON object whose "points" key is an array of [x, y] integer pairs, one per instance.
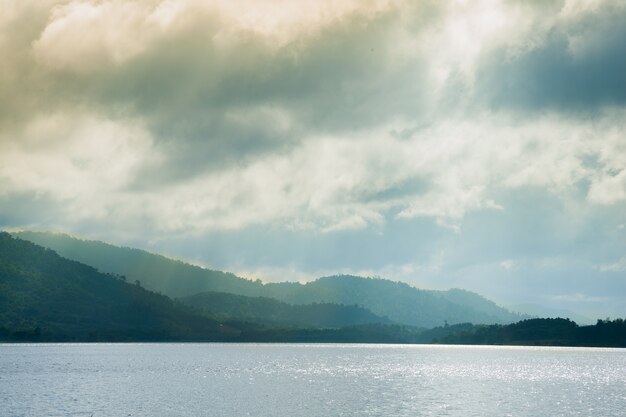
{"points": [[47, 298], [386, 300], [43, 295]]}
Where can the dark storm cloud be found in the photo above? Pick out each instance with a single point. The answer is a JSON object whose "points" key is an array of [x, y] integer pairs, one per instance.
{"points": [[580, 67], [214, 108], [213, 96]]}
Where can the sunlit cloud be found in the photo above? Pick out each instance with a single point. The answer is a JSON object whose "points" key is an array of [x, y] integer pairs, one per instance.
{"points": [[488, 131]]}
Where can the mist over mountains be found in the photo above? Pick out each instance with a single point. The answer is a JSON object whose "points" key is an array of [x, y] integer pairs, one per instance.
{"points": [[444, 144], [396, 301], [45, 297]]}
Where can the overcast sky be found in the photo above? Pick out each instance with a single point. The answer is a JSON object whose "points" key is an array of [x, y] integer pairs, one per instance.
{"points": [[473, 144]]}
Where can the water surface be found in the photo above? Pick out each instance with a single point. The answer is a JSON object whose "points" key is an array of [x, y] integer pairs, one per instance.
{"points": [[309, 380]]}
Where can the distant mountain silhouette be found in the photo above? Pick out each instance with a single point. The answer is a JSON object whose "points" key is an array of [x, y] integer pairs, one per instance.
{"points": [[157, 273], [397, 301]]}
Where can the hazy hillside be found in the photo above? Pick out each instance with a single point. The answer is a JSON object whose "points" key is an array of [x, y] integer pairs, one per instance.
{"points": [[268, 310], [396, 300], [476, 302], [44, 295], [399, 302], [155, 272]]}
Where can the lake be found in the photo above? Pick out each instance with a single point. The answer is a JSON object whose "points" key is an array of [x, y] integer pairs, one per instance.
{"points": [[212, 379]]}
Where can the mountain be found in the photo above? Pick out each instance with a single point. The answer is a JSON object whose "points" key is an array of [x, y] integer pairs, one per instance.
{"points": [[476, 302], [397, 301], [270, 311], [154, 272], [44, 296]]}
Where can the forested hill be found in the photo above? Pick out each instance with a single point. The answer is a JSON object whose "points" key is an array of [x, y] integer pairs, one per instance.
{"points": [[155, 272], [534, 332], [46, 297], [399, 302], [274, 312]]}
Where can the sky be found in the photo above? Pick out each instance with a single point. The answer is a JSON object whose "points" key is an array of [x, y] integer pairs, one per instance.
{"points": [[445, 143]]}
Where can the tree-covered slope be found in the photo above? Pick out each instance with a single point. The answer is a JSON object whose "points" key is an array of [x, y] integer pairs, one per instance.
{"points": [[270, 311], [538, 332], [399, 302], [155, 272], [44, 295], [478, 303], [396, 300]]}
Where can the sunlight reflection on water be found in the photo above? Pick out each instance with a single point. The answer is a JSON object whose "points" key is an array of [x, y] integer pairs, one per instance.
{"points": [[309, 380]]}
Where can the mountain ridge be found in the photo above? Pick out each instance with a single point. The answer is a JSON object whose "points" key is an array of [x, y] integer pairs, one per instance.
{"points": [[47, 298], [271, 311], [398, 301], [60, 299]]}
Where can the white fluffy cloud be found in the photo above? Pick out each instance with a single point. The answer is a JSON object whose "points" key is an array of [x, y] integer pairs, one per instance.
{"points": [[186, 119], [233, 142], [79, 161]]}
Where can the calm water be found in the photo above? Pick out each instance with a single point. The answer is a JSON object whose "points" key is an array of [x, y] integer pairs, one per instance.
{"points": [[309, 380]]}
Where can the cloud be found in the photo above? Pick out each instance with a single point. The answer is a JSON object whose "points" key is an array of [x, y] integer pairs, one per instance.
{"points": [[77, 165], [578, 298], [508, 264], [618, 266], [577, 66], [83, 37], [609, 189], [386, 131], [324, 184], [323, 117], [215, 85]]}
